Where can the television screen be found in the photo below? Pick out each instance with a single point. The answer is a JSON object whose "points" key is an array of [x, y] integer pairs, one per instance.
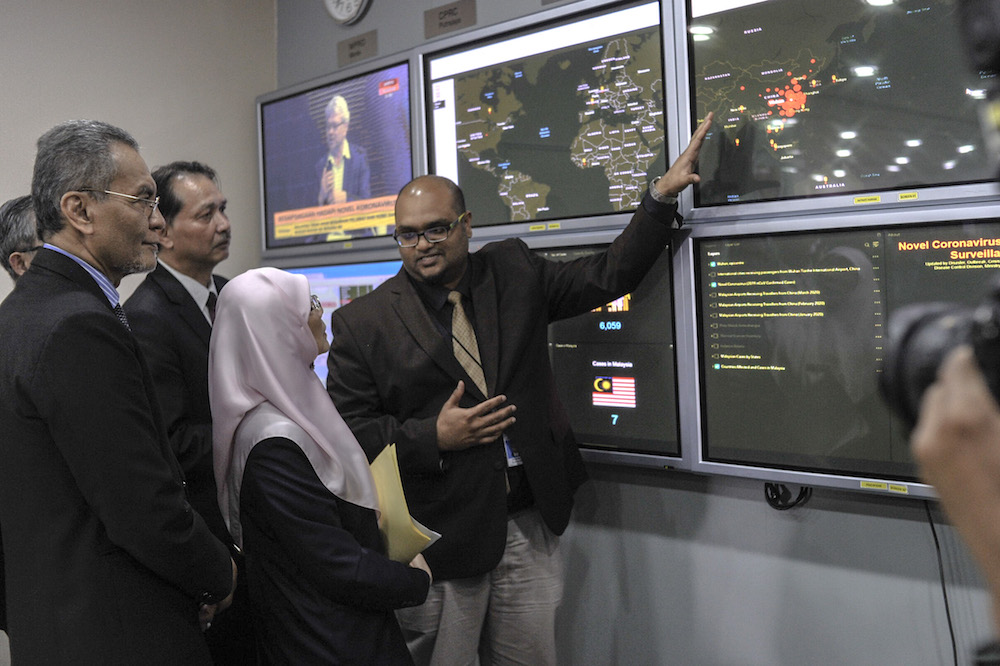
{"points": [[333, 158], [792, 332], [339, 284], [559, 120], [614, 366], [840, 97]]}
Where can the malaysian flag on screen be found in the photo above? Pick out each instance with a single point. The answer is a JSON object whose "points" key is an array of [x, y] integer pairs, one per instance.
{"points": [[614, 392]]}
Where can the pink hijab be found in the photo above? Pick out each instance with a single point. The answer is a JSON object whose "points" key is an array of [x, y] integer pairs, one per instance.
{"points": [[261, 386]]}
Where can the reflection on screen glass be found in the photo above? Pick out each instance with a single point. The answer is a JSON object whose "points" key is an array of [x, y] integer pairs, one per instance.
{"points": [[614, 366], [338, 285], [563, 121], [833, 97], [334, 158], [791, 339]]}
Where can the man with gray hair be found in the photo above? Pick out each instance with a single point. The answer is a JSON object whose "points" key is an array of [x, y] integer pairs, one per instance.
{"points": [[18, 244], [18, 236], [107, 563], [343, 173]]}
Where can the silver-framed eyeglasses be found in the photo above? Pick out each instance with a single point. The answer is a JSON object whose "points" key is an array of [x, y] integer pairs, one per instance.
{"points": [[151, 204], [315, 304], [435, 234]]}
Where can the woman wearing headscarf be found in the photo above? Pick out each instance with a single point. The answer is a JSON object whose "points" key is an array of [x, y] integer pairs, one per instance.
{"points": [[295, 487]]}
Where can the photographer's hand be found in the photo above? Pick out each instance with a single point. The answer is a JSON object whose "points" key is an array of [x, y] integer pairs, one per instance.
{"points": [[957, 446]]}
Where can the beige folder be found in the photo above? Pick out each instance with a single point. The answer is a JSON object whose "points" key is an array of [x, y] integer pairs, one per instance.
{"points": [[404, 537]]}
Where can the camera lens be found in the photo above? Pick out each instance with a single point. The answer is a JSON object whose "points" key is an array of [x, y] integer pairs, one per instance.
{"points": [[920, 336]]}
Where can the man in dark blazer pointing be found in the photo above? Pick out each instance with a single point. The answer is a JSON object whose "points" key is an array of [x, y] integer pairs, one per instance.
{"points": [[449, 361], [107, 562]]}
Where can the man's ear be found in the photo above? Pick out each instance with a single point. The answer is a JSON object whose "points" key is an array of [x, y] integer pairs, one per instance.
{"points": [[17, 262], [74, 208], [468, 224]]}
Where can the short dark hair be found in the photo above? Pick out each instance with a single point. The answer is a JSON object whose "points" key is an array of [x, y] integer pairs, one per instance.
{"points": [[18, 232], [164, 176], [72, 156]]}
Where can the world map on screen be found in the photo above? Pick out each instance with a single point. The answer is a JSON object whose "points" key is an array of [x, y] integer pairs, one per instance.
{"points": [[834, 97], [573, 132]]}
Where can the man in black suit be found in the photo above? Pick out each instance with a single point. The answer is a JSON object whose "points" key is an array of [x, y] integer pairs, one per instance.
{"points": [[107, 563], [171, 316], [18, 245], [486, 452]]}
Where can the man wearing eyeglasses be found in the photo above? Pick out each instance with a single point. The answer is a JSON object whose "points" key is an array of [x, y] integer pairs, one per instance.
{"points": [[171, 315], [106, 561], [343, 172], [449, 361]]}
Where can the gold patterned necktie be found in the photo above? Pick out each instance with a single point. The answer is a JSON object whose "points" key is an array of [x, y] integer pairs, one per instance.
{"points": [[464, 343]]}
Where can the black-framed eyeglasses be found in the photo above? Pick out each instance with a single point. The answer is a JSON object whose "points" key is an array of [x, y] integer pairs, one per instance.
{"points": [[151, 204], [315, 304], [434, 234], [31, 249]]}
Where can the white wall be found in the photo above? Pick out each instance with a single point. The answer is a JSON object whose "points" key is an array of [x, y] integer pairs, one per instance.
{"points": [[180, 75]]}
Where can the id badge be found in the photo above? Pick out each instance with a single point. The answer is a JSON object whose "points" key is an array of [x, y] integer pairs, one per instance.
{"points": [[513, 457]]}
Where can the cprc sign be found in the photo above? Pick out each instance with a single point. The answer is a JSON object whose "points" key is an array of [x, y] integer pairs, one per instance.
{"points": [[450, 17]]}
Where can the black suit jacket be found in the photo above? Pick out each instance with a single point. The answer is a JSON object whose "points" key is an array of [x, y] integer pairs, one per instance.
{"points": [[323, 590], [3, 590], [174, 334], [357, 175], [390, 372], [106, 560]]}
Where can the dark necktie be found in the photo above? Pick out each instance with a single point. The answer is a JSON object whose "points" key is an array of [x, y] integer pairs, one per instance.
{"points": [[464, 343], [120, 313], [212, 298]]}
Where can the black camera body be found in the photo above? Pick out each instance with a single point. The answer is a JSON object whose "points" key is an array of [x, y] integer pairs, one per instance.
{"points": [[920, 336]]}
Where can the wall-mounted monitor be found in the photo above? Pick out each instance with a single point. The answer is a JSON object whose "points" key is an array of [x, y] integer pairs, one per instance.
{"points": [[615, 370], [839, 104], [337, 285], [791, 340], [553, 121], [333, 155]]}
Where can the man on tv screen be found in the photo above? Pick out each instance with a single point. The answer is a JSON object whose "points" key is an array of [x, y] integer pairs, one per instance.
{"points": [[343, 173]]}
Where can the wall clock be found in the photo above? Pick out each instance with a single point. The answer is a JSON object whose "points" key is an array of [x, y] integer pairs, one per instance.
{"points": [[347, 11]]}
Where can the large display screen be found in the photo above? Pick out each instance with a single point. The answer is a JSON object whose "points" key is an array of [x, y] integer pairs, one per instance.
{"points": [[833, 97], [792, 334], [552, 122], [334, 157], [614, 366], [337, 285]]}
